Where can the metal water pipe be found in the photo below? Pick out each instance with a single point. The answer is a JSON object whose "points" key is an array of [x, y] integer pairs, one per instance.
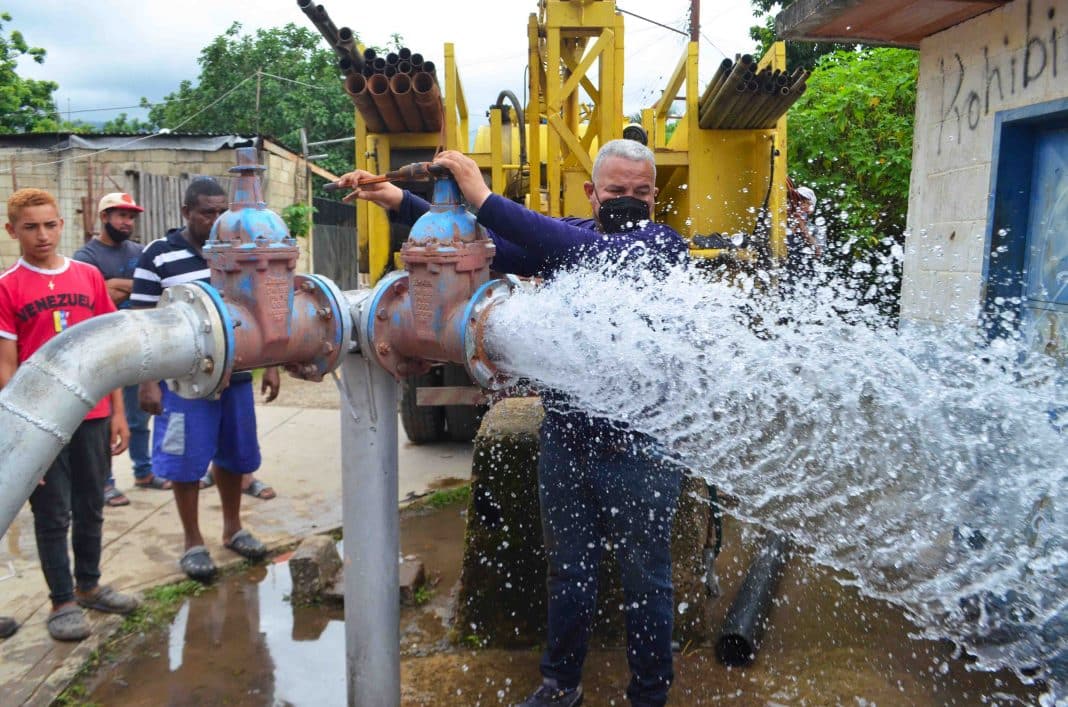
{"points": [[53, 390], [258, 312]]}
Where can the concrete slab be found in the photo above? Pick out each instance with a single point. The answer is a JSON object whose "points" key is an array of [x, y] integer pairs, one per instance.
{"points": [[142, 541]]}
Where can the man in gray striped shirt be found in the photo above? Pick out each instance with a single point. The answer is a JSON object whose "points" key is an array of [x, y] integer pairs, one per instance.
{"points": [[191, 434]]}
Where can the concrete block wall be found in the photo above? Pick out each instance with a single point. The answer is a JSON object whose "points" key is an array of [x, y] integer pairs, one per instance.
{"points": [[66, 174], [1011, 57]]}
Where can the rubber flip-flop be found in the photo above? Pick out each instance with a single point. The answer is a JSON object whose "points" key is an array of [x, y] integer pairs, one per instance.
{"points": [[68, 624], [246, 545], [197, 564], [109, 601], [8, 626], [154, 483], [260, 490], [113, 497]]}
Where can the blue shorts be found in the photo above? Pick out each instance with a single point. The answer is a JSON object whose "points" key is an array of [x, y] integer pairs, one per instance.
{"points": [[190, 434]]}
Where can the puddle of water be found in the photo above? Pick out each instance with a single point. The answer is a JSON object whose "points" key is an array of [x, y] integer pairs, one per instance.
{"points": [[242, 643]]}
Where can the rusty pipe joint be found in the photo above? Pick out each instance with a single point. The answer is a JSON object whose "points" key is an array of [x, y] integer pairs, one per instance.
{"points": [[272, 316], [430, 312]]}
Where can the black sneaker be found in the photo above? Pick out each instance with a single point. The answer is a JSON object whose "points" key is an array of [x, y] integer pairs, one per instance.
{"points": [[550, 694]]}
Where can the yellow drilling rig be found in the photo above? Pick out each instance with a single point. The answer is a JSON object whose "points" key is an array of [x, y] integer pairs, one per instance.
{"points": [[720, 149]]}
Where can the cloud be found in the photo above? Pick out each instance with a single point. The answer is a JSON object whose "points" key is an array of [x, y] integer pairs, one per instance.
{"points": [[111, 52]]}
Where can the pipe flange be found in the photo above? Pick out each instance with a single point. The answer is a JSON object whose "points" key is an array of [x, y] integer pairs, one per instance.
{"points": [[374, 320], [477, 361], [334, 308], [216, 339]]}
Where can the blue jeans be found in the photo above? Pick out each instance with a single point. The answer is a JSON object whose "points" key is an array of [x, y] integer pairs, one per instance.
{"points": [[71, 501], [137, 420], [591, 499]]}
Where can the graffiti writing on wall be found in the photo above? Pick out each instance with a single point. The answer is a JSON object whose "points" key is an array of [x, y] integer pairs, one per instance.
{"points": [[970, 91]]}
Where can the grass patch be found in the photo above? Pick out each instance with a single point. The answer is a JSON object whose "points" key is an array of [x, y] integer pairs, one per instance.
{"points": [[422, 595], [448, 497]]}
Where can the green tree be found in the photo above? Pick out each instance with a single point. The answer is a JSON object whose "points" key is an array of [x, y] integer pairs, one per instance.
{"points": [[26, 105], [851, 140], [123, 124], [298, 86], [804, 54]]}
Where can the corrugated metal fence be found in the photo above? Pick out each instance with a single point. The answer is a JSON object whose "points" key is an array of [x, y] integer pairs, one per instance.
{"points": [[334, 231], [162, 198]]}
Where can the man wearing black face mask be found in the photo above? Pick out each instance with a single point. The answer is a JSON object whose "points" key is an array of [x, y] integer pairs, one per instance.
{"points": [[599, 483], [115, 256]]}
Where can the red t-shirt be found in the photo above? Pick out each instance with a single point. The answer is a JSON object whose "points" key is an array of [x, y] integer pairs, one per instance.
{"points": [[37, 304]]}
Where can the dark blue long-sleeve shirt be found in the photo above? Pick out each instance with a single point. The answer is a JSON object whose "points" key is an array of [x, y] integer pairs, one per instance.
{"points": [[537, 245], [530, 244]]}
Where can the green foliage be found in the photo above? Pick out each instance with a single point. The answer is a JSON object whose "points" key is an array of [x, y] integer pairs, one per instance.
{"points": [[851, 141], [126, 125], [26, 105], [160, 605], [449, 497], [422, 595], [298, 218], [317, 103], [473, 641]]}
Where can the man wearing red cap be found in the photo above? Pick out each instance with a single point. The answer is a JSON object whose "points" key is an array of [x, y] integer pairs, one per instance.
{"points": [[115, 256]]}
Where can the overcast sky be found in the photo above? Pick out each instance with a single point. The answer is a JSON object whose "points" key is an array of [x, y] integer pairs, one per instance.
{"points": [[106, 54]]}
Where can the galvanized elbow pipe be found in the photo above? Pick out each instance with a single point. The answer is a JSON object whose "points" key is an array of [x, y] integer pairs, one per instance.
{"points": [[52, 391]]}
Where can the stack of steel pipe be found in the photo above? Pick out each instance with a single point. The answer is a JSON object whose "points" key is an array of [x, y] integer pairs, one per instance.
{"points": [[395, 93], [739, 98]]}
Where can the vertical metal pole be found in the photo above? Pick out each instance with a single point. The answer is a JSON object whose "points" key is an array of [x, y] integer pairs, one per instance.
{"points": [[372, 533]]}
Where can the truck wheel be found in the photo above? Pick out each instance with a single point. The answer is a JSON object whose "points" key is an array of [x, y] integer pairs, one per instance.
{"points": [[423, 425], [461, 421]]}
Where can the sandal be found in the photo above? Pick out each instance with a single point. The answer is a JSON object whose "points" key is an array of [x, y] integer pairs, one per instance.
{"points": [[197, 564], [109, 601], [154, 482], [68, 624], [246, 545], [113, 497], [260, 490]]}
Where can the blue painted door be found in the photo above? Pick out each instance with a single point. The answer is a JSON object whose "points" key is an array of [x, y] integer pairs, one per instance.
{"points": [[1045, 295]]}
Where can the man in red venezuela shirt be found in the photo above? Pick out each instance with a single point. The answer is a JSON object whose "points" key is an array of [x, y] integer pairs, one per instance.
{"points": [[43, 294]]}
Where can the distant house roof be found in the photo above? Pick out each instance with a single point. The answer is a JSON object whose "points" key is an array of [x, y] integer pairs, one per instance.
{"points": [[899, 23], [171, 141], [97, 141]]}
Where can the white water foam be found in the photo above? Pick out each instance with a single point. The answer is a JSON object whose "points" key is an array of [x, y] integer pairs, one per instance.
{"points": [[925, 464]]}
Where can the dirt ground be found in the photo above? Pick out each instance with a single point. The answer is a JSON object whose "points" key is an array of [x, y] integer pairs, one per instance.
{"points": [[297, 393]]}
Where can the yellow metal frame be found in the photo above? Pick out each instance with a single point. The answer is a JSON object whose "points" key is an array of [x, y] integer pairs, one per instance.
{"points": [[715, 181], [573, 45], [710, 181]]}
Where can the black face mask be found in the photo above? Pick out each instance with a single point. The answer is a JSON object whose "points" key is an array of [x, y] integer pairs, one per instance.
{"points": [[622, 214], [115, 234]]}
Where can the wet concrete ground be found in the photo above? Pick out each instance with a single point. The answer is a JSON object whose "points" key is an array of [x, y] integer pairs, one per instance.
{"points": [[242, 643]]}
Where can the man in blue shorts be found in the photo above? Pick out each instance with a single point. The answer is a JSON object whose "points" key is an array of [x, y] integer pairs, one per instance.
{"points": [[191, 434]]}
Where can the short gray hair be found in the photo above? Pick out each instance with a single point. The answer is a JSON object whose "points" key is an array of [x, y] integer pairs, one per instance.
{"points": [[626, 149]]}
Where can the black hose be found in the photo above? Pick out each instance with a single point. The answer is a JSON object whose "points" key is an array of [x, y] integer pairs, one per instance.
{"points": [[519, 118], [743, 629], [765, 247]]}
